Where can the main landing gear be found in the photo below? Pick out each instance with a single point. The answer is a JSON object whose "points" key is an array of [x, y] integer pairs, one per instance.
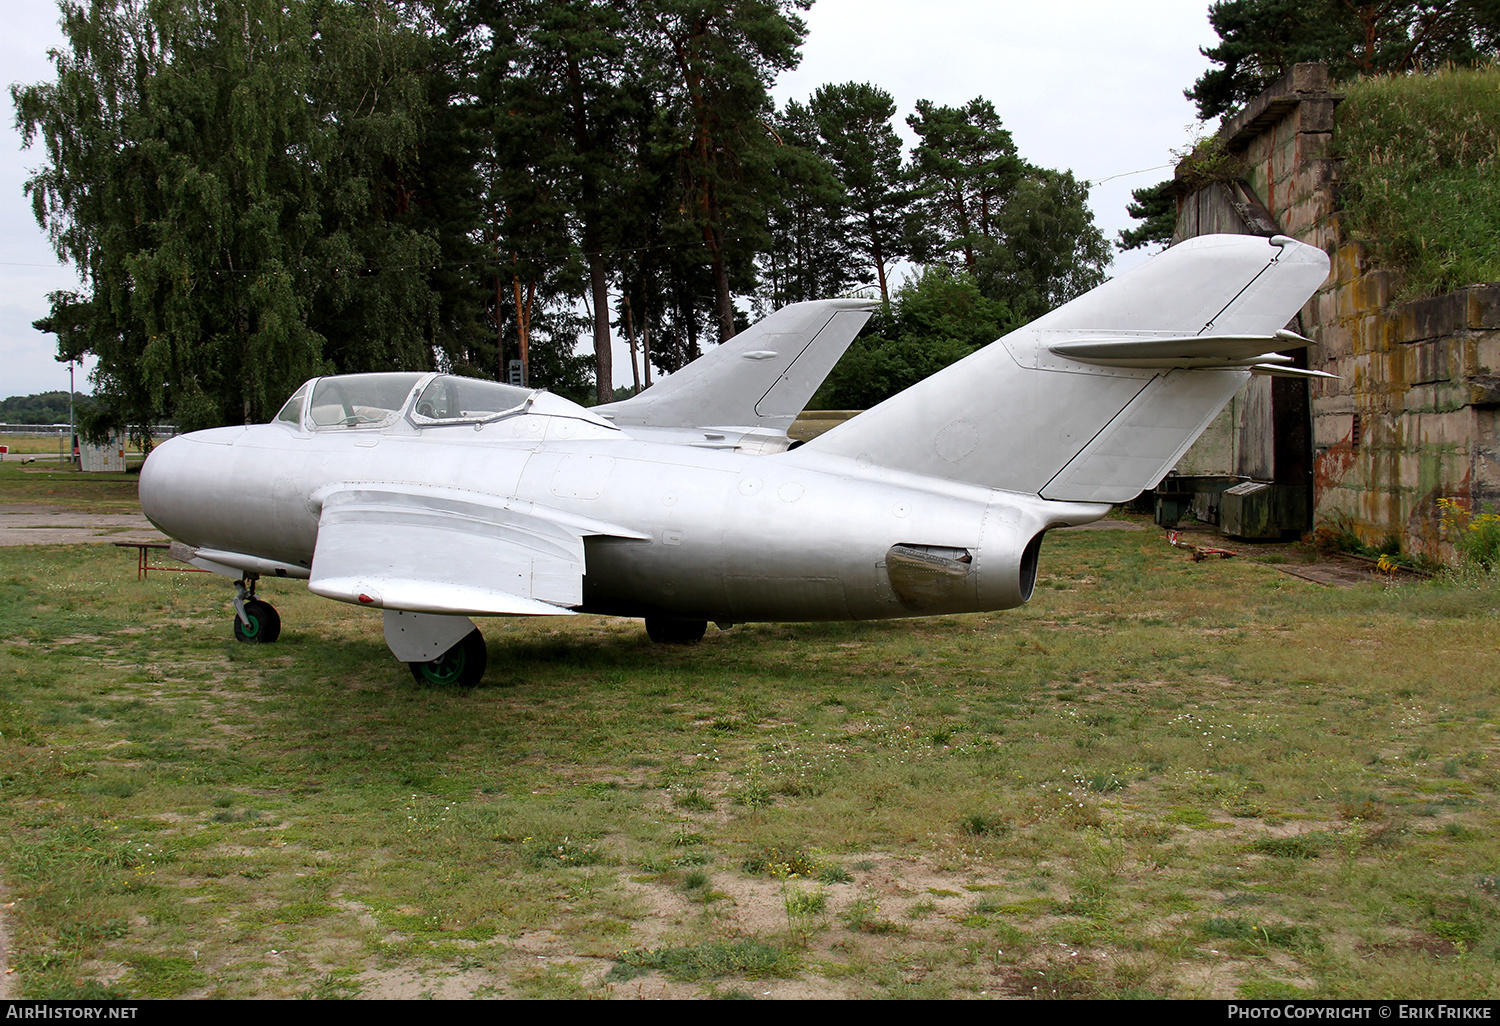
{"points": [[666, 631], [254, 620], [414, 638], [463, 664]]}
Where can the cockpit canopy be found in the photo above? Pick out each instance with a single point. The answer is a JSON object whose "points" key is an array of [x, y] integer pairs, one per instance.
{"points": [[448, 398], [377, 400]]}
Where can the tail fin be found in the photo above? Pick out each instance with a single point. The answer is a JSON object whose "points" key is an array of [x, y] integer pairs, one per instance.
{"points": [[763, 377], [1097, 400]]}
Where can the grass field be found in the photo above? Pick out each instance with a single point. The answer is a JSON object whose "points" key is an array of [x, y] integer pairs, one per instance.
{"points": [[47, 445], [45, 483], [1159, 778]]}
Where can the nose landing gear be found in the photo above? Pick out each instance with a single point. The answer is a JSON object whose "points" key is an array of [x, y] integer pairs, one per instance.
{"points": [[254, 621]]}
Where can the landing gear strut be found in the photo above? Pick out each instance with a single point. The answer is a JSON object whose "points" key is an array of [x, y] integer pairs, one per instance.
{"points": [[667, 631], [254, 620], [463, 664]]}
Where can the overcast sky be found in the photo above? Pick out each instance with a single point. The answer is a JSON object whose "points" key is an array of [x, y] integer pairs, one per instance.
{"points": [[1090, 85]]}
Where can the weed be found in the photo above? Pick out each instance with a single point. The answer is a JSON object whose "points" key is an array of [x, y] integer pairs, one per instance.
{"points": [[748, 958], [863, 916], [566, 852], [335, 986], [781, 860], [693, 801], [979, 825], [1299, 847], [805, 903]]}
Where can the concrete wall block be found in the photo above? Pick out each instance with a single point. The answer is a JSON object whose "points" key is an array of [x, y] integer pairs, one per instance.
{"points": [[1456, 395], [1325, 306], [1258, 150], [1444, 434], [1429, 361], [1374, 289], [1305, 78], [1314, 146], [1332, 344], [1335, 415], [1483, 356], [1375, 332], [1316, 114], [1300, 216], [1391, 330], [1483, 302], [1462, 356], [1330, 431], [1324, 176], [1283, 134], [1430, 318], [1323, 388], [1337, 236], [1483, 391], [1350, 262], [1429, 400], [1358, 344], [1346, 305], [1318, 200]]}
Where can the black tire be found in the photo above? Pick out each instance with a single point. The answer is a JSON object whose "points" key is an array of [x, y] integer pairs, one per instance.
{"points": [[666, 631], [264, 626], [462, 665]]}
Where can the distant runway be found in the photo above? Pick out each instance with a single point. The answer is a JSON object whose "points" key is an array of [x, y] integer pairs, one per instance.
{"points": [[52, 525]]}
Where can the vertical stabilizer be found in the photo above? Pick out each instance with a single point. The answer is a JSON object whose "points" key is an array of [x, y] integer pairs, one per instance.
{"points": [[1097, 400]]}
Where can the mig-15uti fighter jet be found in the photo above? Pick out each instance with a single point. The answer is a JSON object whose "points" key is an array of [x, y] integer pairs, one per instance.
{"points": [[436, 498]]}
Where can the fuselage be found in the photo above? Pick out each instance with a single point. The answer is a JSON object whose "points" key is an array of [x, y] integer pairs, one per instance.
{"points": [[729, 537]]}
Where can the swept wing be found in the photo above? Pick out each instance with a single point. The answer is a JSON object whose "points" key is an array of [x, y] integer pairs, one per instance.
{"points": [[432, 551]]}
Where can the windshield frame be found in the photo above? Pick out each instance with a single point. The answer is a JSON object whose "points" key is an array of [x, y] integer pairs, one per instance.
{"points": [[357, 395], [420, 397]]}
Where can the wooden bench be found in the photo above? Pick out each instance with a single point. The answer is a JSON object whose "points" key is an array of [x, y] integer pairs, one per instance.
{"points": [[144, 566]]}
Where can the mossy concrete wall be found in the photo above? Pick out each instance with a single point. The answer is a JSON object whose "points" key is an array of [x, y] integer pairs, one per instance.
{"points": [[1413, 416]]}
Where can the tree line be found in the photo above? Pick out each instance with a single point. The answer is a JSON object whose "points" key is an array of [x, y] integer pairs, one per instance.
{"points": [[41, 408], [258, 191]]}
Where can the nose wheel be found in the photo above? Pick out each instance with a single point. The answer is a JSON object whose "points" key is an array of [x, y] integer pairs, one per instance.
{"points": [[463, 664], [254, 621]]}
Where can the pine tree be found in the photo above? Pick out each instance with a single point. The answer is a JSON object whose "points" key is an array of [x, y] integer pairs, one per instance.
{"points": [[854, 124], [1260, 40]]}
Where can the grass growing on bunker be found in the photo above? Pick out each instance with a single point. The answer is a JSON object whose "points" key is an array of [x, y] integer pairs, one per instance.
{"points": [[1159, 778]]}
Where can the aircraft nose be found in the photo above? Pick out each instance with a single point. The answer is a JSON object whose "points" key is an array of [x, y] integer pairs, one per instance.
{"points": [[160, 483], [182, 481]]}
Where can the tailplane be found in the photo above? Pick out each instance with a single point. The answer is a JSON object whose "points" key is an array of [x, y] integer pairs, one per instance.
{"points": [[1097, 400]]}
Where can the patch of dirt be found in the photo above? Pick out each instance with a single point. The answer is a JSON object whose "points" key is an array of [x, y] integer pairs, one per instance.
{"points": [[1296, 559], [1421, 944]]}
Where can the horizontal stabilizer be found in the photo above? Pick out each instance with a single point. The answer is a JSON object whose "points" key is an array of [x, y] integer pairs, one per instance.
{"points": [[1098, 399], [1180, 350], [1273, 371], [763, 377], [419, 551]]}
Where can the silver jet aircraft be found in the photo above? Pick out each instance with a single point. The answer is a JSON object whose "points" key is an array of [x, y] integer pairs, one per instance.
{"points": [[436, 498]]}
